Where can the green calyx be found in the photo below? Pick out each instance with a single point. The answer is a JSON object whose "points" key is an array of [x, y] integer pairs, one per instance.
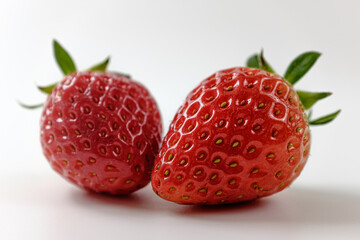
{"points": [[325, 119], [295, 71], [30, 106], [47, 89], [67, 66], [63, 59], [101, 66], [258, 61], [308, 99], [300, 66]]}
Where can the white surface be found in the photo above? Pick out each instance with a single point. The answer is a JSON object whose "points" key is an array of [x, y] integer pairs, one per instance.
{"points": [[170, 46]]}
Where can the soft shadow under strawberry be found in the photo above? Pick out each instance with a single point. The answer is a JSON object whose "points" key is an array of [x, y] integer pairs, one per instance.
{"points": [[295, 206]]}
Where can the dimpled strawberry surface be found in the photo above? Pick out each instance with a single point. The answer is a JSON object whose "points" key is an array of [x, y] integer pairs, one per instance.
{"points": [[240, 135], [101, 131]]}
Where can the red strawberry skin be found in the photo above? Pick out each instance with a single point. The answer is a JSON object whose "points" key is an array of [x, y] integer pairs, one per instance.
{"points": [[240, 135], [101, 131]]}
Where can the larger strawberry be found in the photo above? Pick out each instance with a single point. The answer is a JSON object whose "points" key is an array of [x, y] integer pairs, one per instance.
{"points": [[100, 130], [241, 134]]}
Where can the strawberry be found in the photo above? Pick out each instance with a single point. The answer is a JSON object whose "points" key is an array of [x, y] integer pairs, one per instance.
{"points": [[100, 130], [242, 134]]}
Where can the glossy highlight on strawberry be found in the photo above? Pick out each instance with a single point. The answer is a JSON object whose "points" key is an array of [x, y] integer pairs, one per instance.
{"points": [[101, 131], [241, 134]]}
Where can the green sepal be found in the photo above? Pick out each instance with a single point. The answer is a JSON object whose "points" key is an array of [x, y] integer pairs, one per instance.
{"points": [[308, 99], [47, 89], [309, 114], [325, 119], [63, 59], [121, 74], [253, 61], [101, 66], [300, 66], [30, 106], [264, 65]]}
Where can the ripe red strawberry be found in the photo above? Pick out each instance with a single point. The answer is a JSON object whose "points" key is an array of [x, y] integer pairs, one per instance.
{"points": [[241, 134], [100, 130]]}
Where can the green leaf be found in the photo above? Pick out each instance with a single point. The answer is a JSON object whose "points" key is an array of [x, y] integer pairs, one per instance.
{"points": [[309, 114], [308, 99], [325, 119], [264, 65], [47, 89], [30, 106], [300, 66], [63, 59], [253, 61], [122, 74], [101, 66]]}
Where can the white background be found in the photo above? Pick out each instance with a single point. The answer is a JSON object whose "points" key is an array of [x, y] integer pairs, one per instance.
{"points": [[170, 46]]}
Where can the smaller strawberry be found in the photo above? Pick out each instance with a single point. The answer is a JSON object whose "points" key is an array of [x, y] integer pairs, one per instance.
{"points": [[241, 134], [99, 130]]}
